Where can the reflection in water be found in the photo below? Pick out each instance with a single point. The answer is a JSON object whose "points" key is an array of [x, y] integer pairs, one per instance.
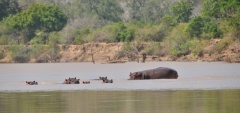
{"points": [[189, 101], [31, 102]]}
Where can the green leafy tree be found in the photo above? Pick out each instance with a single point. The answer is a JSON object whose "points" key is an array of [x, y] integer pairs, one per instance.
{"points": [[182, 11], [211, 28], [195, 26], [199, 26], [147, 10], [8, 7], [37, 17], [232, 25], [107, 10], [135, 7], [125, 33], [220, 8]]}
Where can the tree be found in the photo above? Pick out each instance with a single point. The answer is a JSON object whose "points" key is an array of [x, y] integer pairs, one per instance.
{"points": [[124, 33], [195, 26], [182, 11], [107, 10], [220, 8], [200, 25], [37, 17], [134, 8], [147, 10], [8, 7], [211, 28]]}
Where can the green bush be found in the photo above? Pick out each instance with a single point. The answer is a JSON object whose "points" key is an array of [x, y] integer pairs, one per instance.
{"points": [[195, 26], [211, 28], [112, 32], [220, 46], [20, 53], [147, 33], [99, 35], [80, 35], [37, 50], [1, 53], [197, 46], [130, 50], [49, 52], [180, 48], [154, 48], [177, 41], [182, 11], [52, 43], [3, 40], [125, 33], [169, 21], [36, 41], [107, 33], [230, 27]]}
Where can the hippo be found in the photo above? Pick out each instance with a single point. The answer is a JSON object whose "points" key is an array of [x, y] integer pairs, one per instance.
{"points": [[67, 81], [157, 73], [86, 82], [71, 81], [75, 81], [103, 78], [108, 81], [31, 83]]}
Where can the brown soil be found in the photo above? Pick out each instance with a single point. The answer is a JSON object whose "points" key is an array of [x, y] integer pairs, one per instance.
{"points": [[101, 52], [106, 52]]}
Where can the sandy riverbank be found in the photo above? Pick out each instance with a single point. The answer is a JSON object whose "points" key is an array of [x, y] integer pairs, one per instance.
{"points": [[109, 53]]}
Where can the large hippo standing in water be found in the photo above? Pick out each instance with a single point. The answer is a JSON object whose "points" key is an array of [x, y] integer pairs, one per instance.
{"points": [[157, 73]]}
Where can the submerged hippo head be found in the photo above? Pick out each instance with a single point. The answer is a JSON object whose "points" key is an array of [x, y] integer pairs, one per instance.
{"points": [[135, 75], [35, 83], [103, 78], [67, 81], [86, 82], [108, 81], [32, 82]]}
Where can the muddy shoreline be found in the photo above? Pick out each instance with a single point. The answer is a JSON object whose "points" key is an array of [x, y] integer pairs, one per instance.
{"points": [[109, 53]]}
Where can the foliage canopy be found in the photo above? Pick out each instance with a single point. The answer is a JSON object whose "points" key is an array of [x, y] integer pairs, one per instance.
{"points": [[37, 17]]}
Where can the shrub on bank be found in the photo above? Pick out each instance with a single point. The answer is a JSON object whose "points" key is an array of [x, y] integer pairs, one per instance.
{"points": [[1, 53], [20, 53], [223, 44], [154, 48], [112, 32], [178, 41], [197, 46], [131, 50]]}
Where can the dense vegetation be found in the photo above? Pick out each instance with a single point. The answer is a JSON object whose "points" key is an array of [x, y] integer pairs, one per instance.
{"points": [[171, 27]]}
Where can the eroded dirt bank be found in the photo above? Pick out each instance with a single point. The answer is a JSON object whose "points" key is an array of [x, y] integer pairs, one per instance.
{"points": [[113, 53]]}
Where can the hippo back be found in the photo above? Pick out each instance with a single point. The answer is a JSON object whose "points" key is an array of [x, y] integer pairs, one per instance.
{"points": [[160, 72]]}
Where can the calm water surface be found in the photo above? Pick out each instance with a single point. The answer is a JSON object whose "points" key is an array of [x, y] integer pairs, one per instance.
{"points": [[201, 87]]}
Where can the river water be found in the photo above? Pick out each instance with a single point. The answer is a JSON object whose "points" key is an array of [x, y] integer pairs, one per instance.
{"points": [[201, 87]]}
